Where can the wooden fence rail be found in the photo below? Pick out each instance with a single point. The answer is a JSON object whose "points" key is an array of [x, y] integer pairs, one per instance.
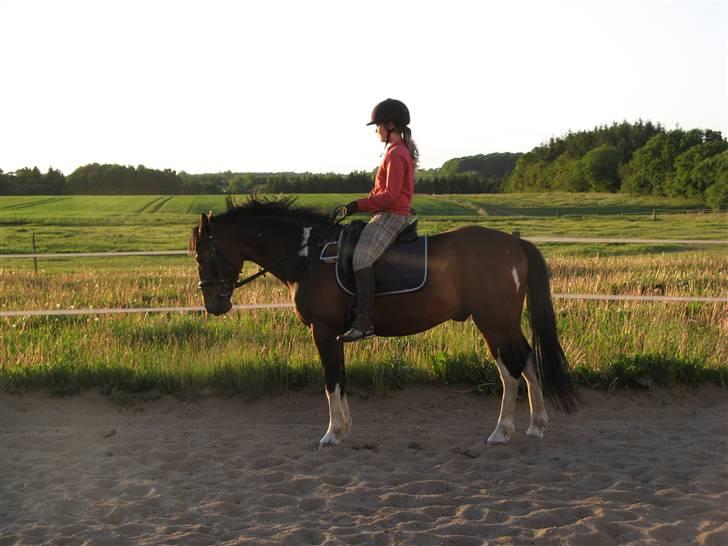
{"points": [[130, 310], [535, 239]]}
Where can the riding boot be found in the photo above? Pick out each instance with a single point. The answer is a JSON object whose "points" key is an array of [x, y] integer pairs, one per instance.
{"points": [[363, 325]]}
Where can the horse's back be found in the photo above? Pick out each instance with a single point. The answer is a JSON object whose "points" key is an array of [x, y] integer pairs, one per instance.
{"points": [[477, 239]]}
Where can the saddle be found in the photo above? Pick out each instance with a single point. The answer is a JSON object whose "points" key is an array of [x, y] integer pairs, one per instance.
{"points": [[402, 268]]}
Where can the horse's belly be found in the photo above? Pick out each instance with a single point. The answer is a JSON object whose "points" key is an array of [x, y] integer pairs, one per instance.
{"points": [[411, 315]]}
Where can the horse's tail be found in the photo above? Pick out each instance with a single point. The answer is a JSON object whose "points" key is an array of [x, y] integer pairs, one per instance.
{"points": [[553, 368]]}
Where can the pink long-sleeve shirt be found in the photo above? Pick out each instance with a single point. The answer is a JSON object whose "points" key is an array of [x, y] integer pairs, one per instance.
{"points": [[394, 184]]}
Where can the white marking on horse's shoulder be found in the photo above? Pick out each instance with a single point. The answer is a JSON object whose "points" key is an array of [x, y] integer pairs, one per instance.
{"points": [[304, 241], [515, 279]]}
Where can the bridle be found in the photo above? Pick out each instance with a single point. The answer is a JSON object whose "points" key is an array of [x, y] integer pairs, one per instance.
{"points": [[216, 257], [228, 285]]}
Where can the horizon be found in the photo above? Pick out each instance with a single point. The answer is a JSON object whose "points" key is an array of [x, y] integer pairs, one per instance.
{"points": [[294, 172], [284, 87]]}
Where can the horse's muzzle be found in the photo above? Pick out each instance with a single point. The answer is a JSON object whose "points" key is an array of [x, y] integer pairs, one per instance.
{"points": [[217, 302], [219, 307]]}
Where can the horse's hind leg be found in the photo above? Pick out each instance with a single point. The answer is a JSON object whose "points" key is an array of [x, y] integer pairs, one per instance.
{"points": [[332, 358], [539, 417], [506, 426], [510, 356]]}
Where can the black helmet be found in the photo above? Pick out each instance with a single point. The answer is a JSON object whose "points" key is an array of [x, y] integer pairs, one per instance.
{"points": [[390, 110]]}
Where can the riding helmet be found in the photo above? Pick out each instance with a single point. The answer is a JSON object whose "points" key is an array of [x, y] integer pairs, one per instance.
{"points": [[390, 110]]}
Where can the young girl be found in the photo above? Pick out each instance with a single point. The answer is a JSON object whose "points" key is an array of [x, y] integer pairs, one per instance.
{"points": [[390, 202]]}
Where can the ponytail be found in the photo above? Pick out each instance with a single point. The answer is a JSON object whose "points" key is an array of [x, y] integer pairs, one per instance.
{"points": [[411, 146]]}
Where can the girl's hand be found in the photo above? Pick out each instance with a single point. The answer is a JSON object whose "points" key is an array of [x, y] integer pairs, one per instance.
{"points": [[342, 211]]}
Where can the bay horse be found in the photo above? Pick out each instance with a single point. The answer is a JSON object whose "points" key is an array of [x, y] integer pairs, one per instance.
{"points": [[472, 271]]}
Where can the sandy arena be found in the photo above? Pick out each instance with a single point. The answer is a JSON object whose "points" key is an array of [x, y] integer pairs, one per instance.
{"points": [[630, 468]]}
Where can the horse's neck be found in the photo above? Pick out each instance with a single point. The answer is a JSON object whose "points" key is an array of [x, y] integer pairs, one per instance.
{"points": [[290, 252]]}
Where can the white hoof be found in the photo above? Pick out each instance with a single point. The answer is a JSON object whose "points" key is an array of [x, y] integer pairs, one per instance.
{"points": [[534, 431], [500, 436], [328, 440]]}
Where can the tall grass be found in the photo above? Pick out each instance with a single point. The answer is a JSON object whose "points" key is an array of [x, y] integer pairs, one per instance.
{"points": [[268, 351], [674, 274], [251, 353]]}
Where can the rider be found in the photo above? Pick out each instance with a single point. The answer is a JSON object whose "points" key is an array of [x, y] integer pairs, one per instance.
{"points": [[390, 203]]}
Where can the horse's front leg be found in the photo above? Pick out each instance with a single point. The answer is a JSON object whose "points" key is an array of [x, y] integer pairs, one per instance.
{"points": [[332, 359]]}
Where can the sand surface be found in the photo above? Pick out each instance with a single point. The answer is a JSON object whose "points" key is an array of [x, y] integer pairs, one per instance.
{"points": [[630, 468]]}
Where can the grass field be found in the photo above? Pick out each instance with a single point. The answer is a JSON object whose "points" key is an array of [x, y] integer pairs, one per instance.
{"points": [[115, 223], [23, 208], [609, 344]]}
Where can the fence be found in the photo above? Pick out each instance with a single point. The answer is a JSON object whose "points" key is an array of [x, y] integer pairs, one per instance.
{"points": [[133, 310], [537, 239]]}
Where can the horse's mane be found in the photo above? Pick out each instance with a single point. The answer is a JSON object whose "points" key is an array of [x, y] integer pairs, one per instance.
{"points": [[254, 206], [281, 207]]}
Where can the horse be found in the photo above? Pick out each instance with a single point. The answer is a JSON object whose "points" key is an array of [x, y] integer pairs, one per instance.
{"points": [[472, 272]]}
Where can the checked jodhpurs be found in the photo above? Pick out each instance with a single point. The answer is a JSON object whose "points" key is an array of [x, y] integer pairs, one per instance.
{"points": [[377, 236]]}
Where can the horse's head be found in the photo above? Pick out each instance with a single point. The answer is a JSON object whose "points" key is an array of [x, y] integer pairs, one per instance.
{"points": [[218, 266]]}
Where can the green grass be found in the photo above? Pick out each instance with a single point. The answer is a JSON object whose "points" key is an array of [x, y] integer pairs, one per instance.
{"points": [[563, 204], [21, 208], [18, 209], [262, 352], [123, 223], [255, 353]]}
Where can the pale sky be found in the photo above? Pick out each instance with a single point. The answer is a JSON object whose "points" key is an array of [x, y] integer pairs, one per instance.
{"points": [[272, 85]]}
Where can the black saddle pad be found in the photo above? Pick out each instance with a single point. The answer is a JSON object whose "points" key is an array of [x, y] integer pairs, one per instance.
{"points": [[402, 268]]}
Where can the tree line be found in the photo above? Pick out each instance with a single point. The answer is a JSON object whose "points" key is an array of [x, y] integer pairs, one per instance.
{"points": [[110, 179], [639, 158]]}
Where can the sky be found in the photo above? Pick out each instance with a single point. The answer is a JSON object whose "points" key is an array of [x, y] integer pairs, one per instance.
{"points": [[274, 85]]}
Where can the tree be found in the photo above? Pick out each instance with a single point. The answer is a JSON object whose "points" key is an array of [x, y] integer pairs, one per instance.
{"points": [[664, 165], [6, 185], [241, 183], [555, 164], [55, 181], [690, 178], [109, 179], [600, 167], [714, 173], [716, 196]]}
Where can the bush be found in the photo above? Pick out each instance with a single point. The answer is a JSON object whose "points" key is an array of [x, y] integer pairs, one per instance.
{"points": [[716, 196]]}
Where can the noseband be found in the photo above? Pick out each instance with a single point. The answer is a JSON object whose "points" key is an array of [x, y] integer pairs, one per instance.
{"points": [[217, 255]]}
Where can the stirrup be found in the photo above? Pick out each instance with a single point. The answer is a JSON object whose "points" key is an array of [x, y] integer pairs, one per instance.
{"points": [[355, 334]]}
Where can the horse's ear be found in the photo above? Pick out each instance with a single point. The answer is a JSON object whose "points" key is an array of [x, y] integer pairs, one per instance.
{"points": [[194, 237], [203, 223]]}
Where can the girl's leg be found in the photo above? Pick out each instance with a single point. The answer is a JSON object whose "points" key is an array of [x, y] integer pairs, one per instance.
{"points": [[378, 235]]}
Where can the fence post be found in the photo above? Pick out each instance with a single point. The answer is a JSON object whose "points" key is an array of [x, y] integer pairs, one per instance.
{"points": [[654, 215], [35, 260]]}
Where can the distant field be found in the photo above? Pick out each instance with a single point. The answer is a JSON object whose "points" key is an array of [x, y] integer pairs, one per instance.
{"points": [[19, 209], [564, 204], [99, 223], [14, 209]]}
